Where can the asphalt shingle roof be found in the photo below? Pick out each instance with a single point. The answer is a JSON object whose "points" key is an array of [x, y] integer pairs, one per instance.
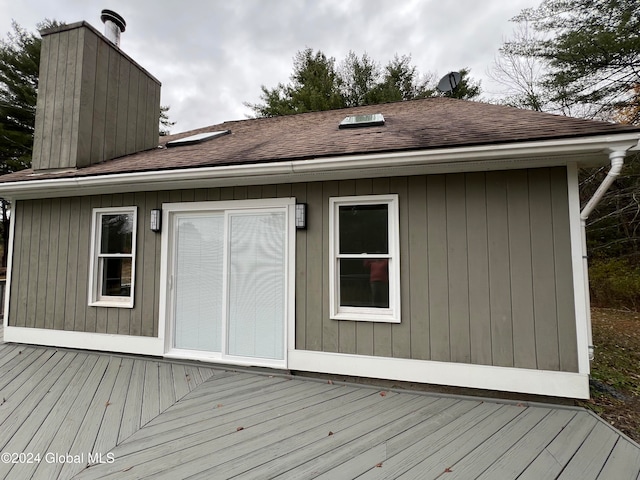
{"points": [[431, 123]]}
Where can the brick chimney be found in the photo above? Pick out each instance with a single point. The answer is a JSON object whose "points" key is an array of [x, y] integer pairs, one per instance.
{"points": [[94, 102]]}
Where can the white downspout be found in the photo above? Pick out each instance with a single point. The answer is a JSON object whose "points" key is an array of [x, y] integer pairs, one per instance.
{"points": [[617, 161]]}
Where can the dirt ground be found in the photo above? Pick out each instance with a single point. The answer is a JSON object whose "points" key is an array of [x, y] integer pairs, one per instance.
{"points": [[615, 371]]}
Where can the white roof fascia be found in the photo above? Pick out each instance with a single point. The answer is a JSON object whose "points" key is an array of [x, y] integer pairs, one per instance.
{"points": [[583, 150]]}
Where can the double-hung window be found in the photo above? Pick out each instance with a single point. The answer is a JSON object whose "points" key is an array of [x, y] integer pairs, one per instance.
{"points": [[365, 258], [113, 250]]}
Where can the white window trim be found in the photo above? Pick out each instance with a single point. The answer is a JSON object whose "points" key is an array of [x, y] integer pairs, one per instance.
{"points": [[95, 298], [364, 314]]}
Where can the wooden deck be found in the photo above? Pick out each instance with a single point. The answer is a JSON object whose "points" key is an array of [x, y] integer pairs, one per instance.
{"points": [[167, 420]]}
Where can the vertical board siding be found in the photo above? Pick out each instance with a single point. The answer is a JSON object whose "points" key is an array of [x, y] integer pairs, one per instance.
{"points": [[499, 271], [485, 268], [60, 292], [520, 262], [330, 328], [20, 262], [478, 264], [417, 259], [111, 106], [86, 98], [48, 105], [37, 158], [315, 263], [544, 275], [562, 253], [58, 118], [69, 118], [437, 268], [472, 271], [32, 285], [459, 326], [41, 264]]}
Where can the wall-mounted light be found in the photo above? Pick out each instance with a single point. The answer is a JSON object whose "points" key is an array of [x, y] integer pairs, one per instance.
{"points": [[301, 216], [156, 220]]}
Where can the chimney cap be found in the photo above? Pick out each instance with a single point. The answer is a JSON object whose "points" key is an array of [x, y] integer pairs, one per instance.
{"points": [[110, 15]]}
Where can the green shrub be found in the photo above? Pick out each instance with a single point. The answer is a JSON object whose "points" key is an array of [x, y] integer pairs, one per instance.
{"points": [[614, 283]]}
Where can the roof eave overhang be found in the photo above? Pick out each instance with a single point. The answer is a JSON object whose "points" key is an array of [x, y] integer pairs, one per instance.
{"points": [[584, 151]]}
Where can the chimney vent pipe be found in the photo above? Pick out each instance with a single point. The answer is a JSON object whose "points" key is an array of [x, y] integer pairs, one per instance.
{"points": [[114, 24]]}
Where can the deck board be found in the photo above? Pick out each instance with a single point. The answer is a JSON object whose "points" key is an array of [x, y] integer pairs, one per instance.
{"points": [[458, 446], [518, 457], [33, 407], [556, 455], [590, 458], [150, 396], [218, 438], [161, 419], [130, 422], [348, 441], [110, 427], [623, 463], [344, 426], [39, 438], [330, 463]]}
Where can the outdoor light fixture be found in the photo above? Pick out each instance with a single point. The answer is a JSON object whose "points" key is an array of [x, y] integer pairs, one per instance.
{"points": [[156, 220], [301, 216]]}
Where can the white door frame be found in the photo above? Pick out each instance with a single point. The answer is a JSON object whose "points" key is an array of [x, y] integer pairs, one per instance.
{"points": [[166, 320]]}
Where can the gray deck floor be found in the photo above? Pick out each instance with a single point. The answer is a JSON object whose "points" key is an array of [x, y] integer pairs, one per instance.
{"points": [[170, 420]]}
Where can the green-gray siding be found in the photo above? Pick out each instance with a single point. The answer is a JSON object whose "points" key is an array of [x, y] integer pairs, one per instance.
{"points": [[486, 273]]}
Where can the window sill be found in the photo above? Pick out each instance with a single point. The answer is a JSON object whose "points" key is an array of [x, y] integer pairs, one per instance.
{"points": [[366, 317], [128, 303]]}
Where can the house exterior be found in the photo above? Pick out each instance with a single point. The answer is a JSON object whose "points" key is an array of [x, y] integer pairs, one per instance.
{"points": [[435, 241]]}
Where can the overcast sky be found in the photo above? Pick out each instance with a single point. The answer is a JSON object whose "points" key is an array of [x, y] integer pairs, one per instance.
{"points": [[213, 55]]}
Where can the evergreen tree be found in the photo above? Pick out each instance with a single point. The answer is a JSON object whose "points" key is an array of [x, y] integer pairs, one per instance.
{"points": [[316, 84], [591, 49], [19, 65]]}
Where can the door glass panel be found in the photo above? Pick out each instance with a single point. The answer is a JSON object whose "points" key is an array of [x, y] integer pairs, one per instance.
{"points": [[198, 282], [256, 285]]}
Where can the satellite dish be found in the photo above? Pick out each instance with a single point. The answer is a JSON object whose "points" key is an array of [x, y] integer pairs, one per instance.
{"points": [[449, 82]]}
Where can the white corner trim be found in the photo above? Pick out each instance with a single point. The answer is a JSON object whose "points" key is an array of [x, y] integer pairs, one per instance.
{"points": [[520, 380], [105, 342], [580, 289], [7, 286]]}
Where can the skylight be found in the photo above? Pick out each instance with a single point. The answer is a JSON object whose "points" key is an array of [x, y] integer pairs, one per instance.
{"points": [[197, 138], [357, 121]]}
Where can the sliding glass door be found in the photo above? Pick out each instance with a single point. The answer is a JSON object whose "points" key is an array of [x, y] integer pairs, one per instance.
{"points": [[228, 283]]}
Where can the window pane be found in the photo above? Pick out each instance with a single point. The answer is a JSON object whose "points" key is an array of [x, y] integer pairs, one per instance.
{"points": [[364, 229], [116, 277], [364, 283], [198, 282], [257, 289], [117, 233]]}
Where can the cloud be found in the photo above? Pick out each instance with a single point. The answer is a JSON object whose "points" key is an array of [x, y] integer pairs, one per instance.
{"points": [[213, 56]]}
